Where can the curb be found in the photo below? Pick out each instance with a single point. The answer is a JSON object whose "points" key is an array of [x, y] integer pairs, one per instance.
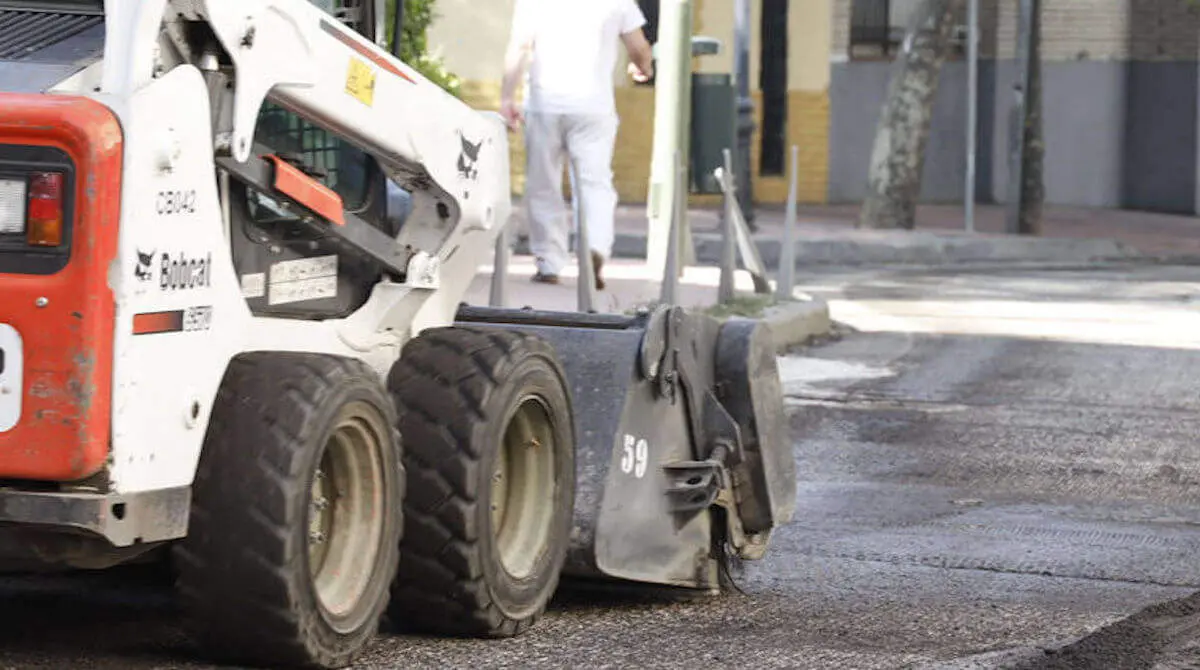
{"points": [[795, 323], [902, 248]]}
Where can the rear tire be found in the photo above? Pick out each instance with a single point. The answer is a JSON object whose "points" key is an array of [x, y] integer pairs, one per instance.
{"points": [[295, 519], [491, 481]]}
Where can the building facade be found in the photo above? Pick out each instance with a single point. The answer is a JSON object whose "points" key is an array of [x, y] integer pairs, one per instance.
{"points": [[790, 77], [1120, 96], [1119, 102]]}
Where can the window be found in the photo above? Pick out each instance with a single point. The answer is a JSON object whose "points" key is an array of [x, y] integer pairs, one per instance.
{"points": [[340, 165], [773, 80], [877, 28], [872, 29], [358, 15], [265, 232]]}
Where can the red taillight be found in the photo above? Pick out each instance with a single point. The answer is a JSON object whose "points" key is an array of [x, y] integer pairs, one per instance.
{"points": [[45, 214]]}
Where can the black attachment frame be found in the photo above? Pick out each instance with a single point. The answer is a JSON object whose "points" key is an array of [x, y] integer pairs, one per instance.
{"points": [[356, 236]]}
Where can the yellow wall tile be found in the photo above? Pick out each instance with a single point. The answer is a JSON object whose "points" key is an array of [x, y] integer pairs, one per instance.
{"points": [[807, 124]]}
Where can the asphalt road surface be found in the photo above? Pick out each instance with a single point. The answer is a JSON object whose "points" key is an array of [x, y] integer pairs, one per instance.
{"points": [[998, 469]]}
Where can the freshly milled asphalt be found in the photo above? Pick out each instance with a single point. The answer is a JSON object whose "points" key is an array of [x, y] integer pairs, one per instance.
{"points": [[987, 475]]}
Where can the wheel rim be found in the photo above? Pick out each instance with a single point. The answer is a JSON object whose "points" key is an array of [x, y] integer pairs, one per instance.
{"points": [[523, 485], [345, 514]]}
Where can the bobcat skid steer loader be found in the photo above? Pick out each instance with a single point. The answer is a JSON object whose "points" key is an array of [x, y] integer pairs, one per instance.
{"points": [[226, 342]]}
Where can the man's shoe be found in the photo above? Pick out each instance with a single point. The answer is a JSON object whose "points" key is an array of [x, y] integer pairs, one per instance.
{"points": [[597, 266], [542, 278]]}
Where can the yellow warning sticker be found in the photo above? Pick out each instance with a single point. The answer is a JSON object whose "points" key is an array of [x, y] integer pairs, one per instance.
{"points": [[360, 82]]}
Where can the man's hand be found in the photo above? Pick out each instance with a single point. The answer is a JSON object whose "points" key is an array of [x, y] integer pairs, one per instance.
{"points": [[512, 115], [638, 75], [641, 56]]}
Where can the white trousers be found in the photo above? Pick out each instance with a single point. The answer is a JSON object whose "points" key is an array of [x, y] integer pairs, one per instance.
{"points": [[587, 140]]}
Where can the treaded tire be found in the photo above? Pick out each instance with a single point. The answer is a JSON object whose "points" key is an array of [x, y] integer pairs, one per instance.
{"points": [[455, 390], [244, 568]]}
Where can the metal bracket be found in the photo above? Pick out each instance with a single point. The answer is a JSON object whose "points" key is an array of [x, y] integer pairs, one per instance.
{"points": [[654, 344], [693, 486], [737, 238], [659, 354], [668, 358]]}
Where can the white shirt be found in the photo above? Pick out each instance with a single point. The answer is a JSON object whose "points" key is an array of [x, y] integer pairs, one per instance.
{"points": [[574, 56]]}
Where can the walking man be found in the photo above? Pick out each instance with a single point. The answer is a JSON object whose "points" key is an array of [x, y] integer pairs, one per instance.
{"points": [[566, 50]]}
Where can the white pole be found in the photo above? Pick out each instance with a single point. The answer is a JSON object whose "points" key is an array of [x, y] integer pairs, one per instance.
{"points": [[672, 105], [669, 294], [972, 109]]}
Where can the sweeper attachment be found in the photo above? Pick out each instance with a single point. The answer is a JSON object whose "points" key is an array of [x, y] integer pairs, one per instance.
{"points": [[648, 448], [234, 242]]}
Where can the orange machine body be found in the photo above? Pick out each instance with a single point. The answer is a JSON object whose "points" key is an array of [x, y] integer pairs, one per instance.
{"points": [[65, 318]]}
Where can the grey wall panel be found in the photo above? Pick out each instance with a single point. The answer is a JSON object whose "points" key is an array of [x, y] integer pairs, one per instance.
{"points": [[944, 178], [857, 92], [1117, 134], [1160, 139], [1084, 122], [986, 142], [1084, 125]]}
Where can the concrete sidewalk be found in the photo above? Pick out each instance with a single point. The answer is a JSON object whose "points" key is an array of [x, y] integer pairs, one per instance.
{"points": [[826, 235], [630, 286]]}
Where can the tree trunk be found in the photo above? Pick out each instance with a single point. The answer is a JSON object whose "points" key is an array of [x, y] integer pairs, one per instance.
{"points": [[1033, 191], [898, 158]]}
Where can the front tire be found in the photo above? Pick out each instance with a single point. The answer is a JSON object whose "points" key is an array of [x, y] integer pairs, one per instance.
{"points": [[487, 419], [296, 513]]}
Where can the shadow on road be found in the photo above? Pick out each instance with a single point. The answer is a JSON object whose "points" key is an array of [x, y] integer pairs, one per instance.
{"points": [[114, 619]]}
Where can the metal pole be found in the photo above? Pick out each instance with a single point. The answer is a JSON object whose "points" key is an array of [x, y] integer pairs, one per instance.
{"points": [[497, 296], [670, 284], [575, 205], [972, 110], [787, 255], [725, 290], [583, 249], [745, 108]]}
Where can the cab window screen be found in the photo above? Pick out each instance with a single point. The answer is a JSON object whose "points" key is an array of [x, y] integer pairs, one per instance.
{"points": [[344, 166]]}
